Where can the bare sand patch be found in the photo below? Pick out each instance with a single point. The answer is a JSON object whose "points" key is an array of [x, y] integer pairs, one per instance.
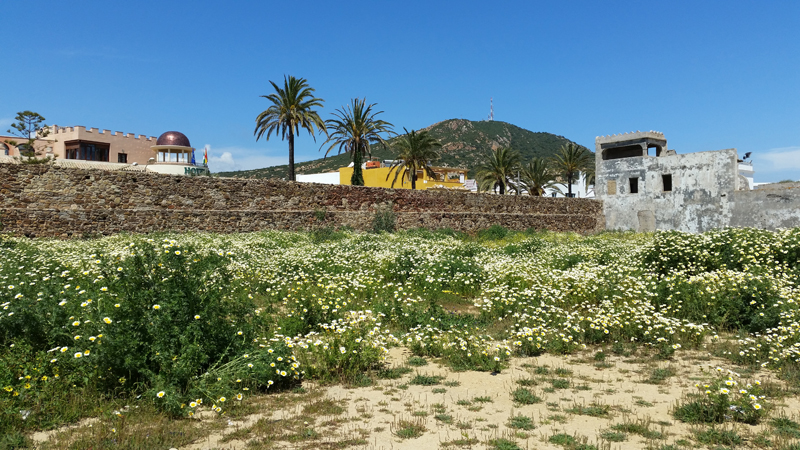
{"points": [[572, 395]]}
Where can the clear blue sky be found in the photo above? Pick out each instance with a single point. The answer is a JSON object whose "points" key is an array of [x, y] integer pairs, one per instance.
{"points": [[709, 74]]}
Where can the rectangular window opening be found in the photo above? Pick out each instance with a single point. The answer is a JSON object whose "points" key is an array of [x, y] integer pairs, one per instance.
{"points": [[634, 185], [666, 180], [122, 158]]}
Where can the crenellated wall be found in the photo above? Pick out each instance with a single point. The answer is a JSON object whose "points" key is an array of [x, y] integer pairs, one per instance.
{"points": [[45, 201], [137, 148]]}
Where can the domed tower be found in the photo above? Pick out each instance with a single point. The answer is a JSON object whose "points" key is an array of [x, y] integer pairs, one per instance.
{"points": [[174, 155]]}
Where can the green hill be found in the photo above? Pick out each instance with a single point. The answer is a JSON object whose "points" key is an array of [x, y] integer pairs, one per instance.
{"points": [[465, 144]]}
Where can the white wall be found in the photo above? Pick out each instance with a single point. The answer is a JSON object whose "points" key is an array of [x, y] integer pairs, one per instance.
{"points": [[321, 178]]}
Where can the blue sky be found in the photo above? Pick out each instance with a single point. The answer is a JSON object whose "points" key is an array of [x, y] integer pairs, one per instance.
{"points": [[709, 74]]}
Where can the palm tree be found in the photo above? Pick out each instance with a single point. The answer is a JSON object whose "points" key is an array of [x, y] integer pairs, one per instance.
{"points": [[291, 110], [417, 150], [536, 176], [570, 160], [589, 175], [499, 170], [354, 129]]}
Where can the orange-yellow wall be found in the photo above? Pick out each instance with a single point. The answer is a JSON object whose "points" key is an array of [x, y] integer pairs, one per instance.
{"points": [[377, 178]]}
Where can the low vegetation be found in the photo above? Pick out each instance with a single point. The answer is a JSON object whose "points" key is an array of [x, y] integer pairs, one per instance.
{"points": [[191, 324]]}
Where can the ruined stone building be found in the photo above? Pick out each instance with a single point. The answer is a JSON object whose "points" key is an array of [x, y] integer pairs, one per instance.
{"points": [[645, 186]]}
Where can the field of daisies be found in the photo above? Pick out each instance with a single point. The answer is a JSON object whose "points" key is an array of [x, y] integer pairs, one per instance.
{"points": [[198, 322]]}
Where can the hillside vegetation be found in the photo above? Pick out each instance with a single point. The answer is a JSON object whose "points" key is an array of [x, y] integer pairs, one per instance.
{"points": [[465, 144]]}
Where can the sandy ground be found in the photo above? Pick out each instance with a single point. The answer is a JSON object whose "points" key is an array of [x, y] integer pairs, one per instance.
{"points": [[373, 413]]}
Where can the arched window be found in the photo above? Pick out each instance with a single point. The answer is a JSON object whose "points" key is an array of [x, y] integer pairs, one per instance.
{"points": [[4, 150]]}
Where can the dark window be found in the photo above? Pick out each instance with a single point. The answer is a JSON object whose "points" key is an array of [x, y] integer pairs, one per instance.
{"points": [[623, 152], [122, 158], [634, 185], [93, 152], [87, 151], [666, 180]]}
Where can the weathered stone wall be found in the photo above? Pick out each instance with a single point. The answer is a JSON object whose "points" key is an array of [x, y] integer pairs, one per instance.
{"points": [[769, 207], [703, 184], [48, 201], [706, 193]]}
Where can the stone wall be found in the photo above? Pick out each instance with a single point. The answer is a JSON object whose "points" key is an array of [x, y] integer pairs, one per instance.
{"points": [[702, 187], [705, 192], [46, 201], [770, 207]]}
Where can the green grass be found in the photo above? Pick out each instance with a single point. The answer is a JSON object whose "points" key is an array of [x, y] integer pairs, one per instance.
{"points": [[562, 439], [525, 396], [714, 436], [521, 423], [503, 444], [570, 442], [785, 427], [659, 375], [394, 373], [614, 436], [594, 410], [639, 427], [527, 382], [417, 361], [426, 380], [444, 418], [408, 429]]}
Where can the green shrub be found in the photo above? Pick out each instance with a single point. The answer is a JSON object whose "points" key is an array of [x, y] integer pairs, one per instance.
{"points": [[725, 399], [384, 220], [524, 248], [521, 423], [493, 233], [525, 396], [713, 436]]}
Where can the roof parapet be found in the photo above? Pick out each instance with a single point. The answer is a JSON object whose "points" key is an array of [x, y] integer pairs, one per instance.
{"points": [[55, 129], [631, 135]]}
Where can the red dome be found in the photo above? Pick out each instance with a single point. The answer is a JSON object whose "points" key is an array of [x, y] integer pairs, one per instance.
{"points": [[173, 138]]}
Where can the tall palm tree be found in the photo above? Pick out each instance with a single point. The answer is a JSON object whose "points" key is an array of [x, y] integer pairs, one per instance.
{"points": [[536, 176], [499, 170], [569, 161], [291, 109], [354, 129], [417, 150]]}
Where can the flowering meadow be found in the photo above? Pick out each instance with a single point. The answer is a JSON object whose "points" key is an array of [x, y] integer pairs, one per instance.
{"points": [[198, 322]]}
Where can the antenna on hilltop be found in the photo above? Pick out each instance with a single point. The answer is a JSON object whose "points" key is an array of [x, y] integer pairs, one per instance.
{"points": [[491, 110]]}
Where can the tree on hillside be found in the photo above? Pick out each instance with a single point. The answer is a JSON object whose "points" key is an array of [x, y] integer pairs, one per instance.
{"points": [[291, 109], [536, 176], [569, 161], [499, 170], [354, 130], [29, 126], [417, 151]]}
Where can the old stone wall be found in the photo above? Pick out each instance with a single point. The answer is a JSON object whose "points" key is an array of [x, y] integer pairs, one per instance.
{"points": [[773, 206], [704, 193], [699, 198], [41, 200]]}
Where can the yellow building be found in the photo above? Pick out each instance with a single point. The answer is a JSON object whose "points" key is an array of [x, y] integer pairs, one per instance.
{"points": [[446, 178]]}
